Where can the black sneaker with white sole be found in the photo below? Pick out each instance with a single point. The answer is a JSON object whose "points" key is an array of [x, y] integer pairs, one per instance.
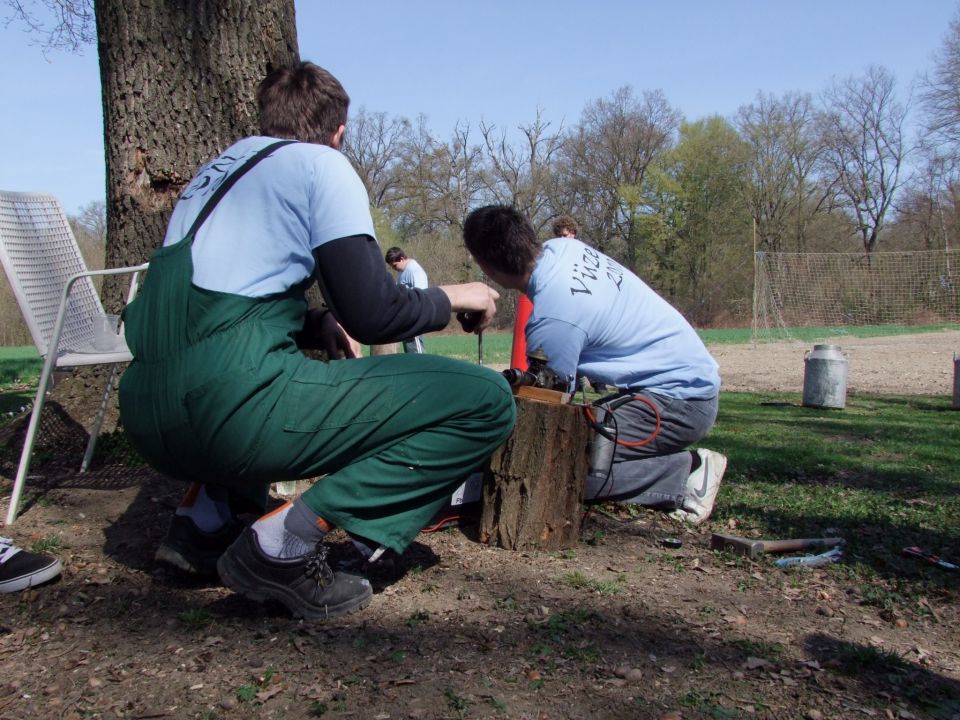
{"points": [[193, 551], [21, 569], [305, 585]]}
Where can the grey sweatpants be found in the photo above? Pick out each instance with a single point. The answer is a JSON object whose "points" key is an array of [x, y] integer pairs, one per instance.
{"points": [[652, 473]]}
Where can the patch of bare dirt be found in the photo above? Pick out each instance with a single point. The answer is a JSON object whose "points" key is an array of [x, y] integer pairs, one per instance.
{"points": [[920, 364], [619, 627]]}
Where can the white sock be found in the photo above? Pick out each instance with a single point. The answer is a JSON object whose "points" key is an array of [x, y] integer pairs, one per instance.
{"points": [[209, 510], [290, 531]]}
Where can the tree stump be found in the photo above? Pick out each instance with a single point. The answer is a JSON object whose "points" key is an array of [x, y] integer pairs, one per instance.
{"points": [[533, 496]]}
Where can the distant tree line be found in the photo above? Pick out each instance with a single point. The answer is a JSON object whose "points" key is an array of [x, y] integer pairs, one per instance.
{"points": [[684, 203]]}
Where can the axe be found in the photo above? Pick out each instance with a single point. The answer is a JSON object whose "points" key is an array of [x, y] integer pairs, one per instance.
{"points": [[751, 548]]}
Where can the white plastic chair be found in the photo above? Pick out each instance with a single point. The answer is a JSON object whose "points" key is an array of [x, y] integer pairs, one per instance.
{"points": [[60, 305]]}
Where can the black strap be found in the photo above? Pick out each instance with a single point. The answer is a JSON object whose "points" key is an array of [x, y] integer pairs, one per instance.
{"points": [[231, 180]]}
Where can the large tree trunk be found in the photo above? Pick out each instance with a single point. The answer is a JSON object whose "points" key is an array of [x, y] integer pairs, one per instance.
{"points": [[179, 81]]}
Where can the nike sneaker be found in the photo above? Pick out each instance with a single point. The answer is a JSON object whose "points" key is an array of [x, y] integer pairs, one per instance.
{"points": [[702, 487]]}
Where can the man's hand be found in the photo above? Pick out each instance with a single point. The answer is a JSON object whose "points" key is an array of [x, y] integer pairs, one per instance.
{"points": [[474, 303], [321, 331]]}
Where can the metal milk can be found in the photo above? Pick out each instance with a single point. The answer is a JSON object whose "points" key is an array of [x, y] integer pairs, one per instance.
{"points": [[825, 377]]}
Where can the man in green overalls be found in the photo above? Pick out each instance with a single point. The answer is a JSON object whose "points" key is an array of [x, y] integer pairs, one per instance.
{"points": [[220, 396]]}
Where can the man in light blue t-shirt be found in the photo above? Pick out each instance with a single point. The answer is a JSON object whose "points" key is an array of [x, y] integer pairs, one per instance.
{"points": [[594, 318], [412, 275]]}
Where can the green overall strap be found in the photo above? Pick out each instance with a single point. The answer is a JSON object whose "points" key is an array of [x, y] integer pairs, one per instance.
{"points": [[154, 321], [230, 182]]}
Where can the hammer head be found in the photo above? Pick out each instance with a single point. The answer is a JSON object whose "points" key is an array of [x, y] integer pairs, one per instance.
{"points": [[737, 545]]}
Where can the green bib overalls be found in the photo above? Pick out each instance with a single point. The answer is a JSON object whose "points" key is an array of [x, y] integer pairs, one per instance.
{"points": [[218, 392]]}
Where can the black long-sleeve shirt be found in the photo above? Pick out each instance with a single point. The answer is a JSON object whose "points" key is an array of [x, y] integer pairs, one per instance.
{"points": [[365, 298]]}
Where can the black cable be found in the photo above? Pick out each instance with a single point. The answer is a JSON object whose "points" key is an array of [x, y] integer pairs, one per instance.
{"points": [[611, 437]]}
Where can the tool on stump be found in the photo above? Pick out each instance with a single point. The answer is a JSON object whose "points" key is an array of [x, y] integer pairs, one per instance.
{"points": [[752, 548]]}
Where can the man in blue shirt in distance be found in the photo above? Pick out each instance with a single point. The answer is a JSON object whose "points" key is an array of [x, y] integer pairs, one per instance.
{"points": [[412, 275]]}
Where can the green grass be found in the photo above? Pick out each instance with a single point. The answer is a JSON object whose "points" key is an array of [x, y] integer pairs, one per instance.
{"points": [[497, 345], [463, 346], [880, 473], [23, 364], [19, 365]]}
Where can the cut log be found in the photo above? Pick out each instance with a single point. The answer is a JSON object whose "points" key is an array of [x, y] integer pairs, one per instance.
{"points": [[534, 494]]}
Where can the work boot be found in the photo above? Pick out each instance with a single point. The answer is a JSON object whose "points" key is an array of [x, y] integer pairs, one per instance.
{"points": [[702, 487], [305, 585], [21, 569], [191, 550]]}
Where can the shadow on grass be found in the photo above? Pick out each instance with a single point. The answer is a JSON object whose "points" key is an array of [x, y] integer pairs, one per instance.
{"points": [[881, 473], [887, 675]]}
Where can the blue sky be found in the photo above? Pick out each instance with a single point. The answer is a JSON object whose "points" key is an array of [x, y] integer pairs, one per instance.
{"points": [[499, 61]]}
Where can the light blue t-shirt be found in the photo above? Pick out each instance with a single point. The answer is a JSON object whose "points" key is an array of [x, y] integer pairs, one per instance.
{"points": [[593, 317], [413, 275], [259, 239]]}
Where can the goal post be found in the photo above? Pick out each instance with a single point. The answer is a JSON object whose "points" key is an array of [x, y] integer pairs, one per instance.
{"points": [[851, 289]]}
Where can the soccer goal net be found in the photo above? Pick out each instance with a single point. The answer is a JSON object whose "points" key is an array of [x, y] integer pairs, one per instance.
{"points": [[793, 290]]}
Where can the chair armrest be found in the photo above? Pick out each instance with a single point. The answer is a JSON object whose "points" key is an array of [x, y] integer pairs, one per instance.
{"points": [[134, 270]]}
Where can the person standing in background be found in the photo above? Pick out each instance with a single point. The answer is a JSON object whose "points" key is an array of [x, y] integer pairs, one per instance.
{"points": [[412, 275]]}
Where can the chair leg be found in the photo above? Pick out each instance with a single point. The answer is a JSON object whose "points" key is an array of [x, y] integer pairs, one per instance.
{"points": [[28, 441], [95, 430]]}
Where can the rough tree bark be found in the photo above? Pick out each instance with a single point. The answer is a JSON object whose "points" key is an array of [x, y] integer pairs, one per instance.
{"points": [[534, 494], [179, 80]]}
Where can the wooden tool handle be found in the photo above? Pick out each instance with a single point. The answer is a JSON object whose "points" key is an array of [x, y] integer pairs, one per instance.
{"points": [[801, 544]]}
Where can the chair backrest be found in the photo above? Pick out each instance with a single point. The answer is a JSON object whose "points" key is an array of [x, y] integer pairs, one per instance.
{"points": [[39, 255]]}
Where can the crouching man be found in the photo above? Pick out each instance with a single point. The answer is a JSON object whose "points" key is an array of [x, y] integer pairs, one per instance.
{"points": [[219, 395], [592, 317]]}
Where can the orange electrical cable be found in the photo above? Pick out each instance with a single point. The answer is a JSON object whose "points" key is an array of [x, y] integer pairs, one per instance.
{"points": [[440, 524], [656, 429]]}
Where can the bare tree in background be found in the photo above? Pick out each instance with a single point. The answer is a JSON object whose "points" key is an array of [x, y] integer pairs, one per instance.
{"points": [[782, 190], [93, 219], [68, 25], [90, 229], [443, 179], [375, 145], [520, 173], [940, 91], [604, 162], [864, 148], [934, 199]]}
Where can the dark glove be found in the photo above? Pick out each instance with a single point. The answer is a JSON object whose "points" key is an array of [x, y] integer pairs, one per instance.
{"points": [[321, 331]]}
